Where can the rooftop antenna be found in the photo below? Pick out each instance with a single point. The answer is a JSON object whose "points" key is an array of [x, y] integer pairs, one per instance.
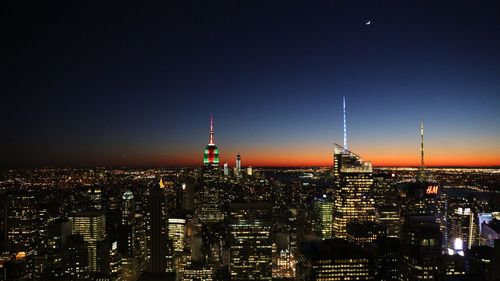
{"points": [[421, 144], [422, 164], [345, 125], [211, 140]]}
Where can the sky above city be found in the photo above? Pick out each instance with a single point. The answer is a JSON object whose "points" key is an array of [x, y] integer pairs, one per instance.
{"points": [[88, 83]]}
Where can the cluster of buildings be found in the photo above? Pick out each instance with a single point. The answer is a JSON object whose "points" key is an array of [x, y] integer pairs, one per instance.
{"points": [[345, 222]]}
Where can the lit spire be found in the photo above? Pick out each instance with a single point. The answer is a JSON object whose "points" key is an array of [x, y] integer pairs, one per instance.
{"points": [[211, 139], [422, 144], [345, 125]]}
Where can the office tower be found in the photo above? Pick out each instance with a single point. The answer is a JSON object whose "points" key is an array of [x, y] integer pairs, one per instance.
{"points": [[250, 241], [210, 198], [334, 259], [58, 232], [421, 249], [92, 226], [249, 170], [127, 228], [197, 273], [363, 233], [176, 233], [211, 156], [251, 250], [21, 227], [76, 258], [238, 165], [158, 225], [461, 224], [353, 181], [323, 211], [387, 252], [390, 219], [94, 195], [128, 208], [226, 169], [108, 259], [127, 236]]}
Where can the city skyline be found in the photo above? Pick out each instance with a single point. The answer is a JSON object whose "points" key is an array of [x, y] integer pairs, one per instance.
{"points": [[133, 85]]}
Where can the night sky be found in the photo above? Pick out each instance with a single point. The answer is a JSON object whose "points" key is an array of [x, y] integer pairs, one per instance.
{"points": [[86, 83]]}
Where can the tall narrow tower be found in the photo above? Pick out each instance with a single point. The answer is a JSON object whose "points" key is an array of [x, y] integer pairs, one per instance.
{"points": [[211, 156], [345, 125], [421, 144], [421, 169]]}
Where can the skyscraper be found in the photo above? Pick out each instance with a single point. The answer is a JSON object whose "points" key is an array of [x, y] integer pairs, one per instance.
{"points": [[92, 226], [353, 180], [211, 156], [251, 242], [323, 216], [334, 259], [158, 233], [21, 226]]}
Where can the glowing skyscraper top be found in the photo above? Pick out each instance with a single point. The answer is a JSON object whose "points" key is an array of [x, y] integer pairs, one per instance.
{"points": [[211, 155]]}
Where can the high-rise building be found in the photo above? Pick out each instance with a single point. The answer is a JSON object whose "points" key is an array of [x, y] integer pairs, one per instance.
{"points": [[461, 224], [92, 226], [334, 259], [323, 211], [21, 226], [251, 241], [211, 155], [353, 181], [127, 237], [421, 249], [226, 169], [158, 228], [176, 233], [251, 250], [238, 164]]}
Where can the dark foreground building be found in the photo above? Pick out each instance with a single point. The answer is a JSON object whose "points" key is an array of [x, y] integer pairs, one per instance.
{"points": [[334, 259]]}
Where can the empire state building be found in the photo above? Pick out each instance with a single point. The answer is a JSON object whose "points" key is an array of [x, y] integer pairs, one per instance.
{"points": [[211, 155]]}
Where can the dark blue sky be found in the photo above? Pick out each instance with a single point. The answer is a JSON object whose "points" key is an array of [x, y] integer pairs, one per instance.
{"points": [[93, 83]]}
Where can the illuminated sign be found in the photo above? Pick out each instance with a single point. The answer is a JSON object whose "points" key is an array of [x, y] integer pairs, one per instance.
{"points": [[432, 189]]}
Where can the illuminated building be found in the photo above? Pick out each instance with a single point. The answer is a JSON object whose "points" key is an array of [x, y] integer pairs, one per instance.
{"points": [[389, 218], [57, 234], [158, 228], [21, 225], [94, 195], [421, 249], [250, 241], [323, 209], [363, 233], [92, 226], [197, 273], [461, 225], [211, 156], [249, 170], [176, 233], [226, 169], [210, 199], [109, 261], [334, 259], [353, 200], [238, 162], [127, 236], [251, 250], [237, 167]]}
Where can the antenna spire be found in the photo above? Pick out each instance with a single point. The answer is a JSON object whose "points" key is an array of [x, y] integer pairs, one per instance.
{"points": [[211, 139], [345, 125], [422, 144]]}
